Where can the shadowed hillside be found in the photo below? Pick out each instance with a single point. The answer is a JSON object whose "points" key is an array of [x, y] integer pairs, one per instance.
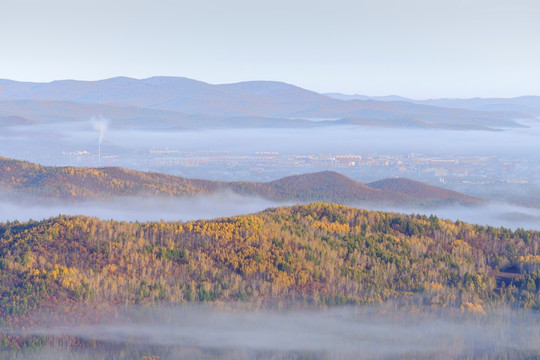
{"points": [[317, 187], [420, 191]]}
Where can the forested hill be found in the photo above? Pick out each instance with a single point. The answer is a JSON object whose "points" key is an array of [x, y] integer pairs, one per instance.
{"points": [[420, 191], [310, 255], [69, 182], [75, 183], [321, 186]]}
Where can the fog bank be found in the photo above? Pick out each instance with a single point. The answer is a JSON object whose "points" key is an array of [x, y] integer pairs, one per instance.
{"points": [[140, 209], [225, 204], [377, 332], [493, 213]]}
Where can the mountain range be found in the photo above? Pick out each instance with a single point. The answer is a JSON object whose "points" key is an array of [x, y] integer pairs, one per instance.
{"points": [[524, 104], [182, 102], [76, 183]]}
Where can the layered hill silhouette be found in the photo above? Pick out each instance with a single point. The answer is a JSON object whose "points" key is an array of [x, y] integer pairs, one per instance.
{"points": [[524, 104], [75, 183], [27, 112], [243, 104]]}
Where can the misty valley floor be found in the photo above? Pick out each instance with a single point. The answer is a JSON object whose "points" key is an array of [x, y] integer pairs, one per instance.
{"points": [[209, 332]]}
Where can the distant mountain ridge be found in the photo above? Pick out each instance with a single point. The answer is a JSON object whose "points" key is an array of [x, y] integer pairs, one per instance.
{"points": [[524, 104], [260, 99], [174, 94], [74, 183], [349, 97]]}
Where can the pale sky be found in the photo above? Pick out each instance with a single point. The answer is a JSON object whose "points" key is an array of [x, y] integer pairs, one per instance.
{"points": [[416, 48]]}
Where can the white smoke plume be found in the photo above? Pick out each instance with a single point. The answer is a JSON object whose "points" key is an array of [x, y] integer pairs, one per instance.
{"points": [[101, 125]]}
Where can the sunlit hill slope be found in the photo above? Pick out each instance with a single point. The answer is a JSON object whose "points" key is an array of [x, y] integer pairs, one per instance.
{"points": [[75, 183], [309, 255]]}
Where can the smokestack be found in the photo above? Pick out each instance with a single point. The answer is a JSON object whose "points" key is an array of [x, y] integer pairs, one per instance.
{"points": [[101, 126]]}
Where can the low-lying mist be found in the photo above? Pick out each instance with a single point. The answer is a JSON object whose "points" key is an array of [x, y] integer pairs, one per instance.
{"points": [[493, 213], [225, 204], [340, 333], [140, 208], [45, 143]]}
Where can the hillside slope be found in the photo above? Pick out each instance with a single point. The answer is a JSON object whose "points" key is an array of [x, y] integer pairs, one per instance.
{"points": [[317, 187], [74, 183], [318, 255], [420, 191]]}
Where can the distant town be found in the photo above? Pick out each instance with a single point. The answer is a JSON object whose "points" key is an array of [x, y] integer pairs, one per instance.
{"points": [[268, 165]]}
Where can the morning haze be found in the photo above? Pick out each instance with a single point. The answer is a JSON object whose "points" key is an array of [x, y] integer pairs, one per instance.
{"points": [[273, 180]]}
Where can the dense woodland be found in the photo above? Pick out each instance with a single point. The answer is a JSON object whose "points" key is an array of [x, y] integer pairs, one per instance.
{"points": [[33, 181], [316, 255], [76, 183], [307, 256]]}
